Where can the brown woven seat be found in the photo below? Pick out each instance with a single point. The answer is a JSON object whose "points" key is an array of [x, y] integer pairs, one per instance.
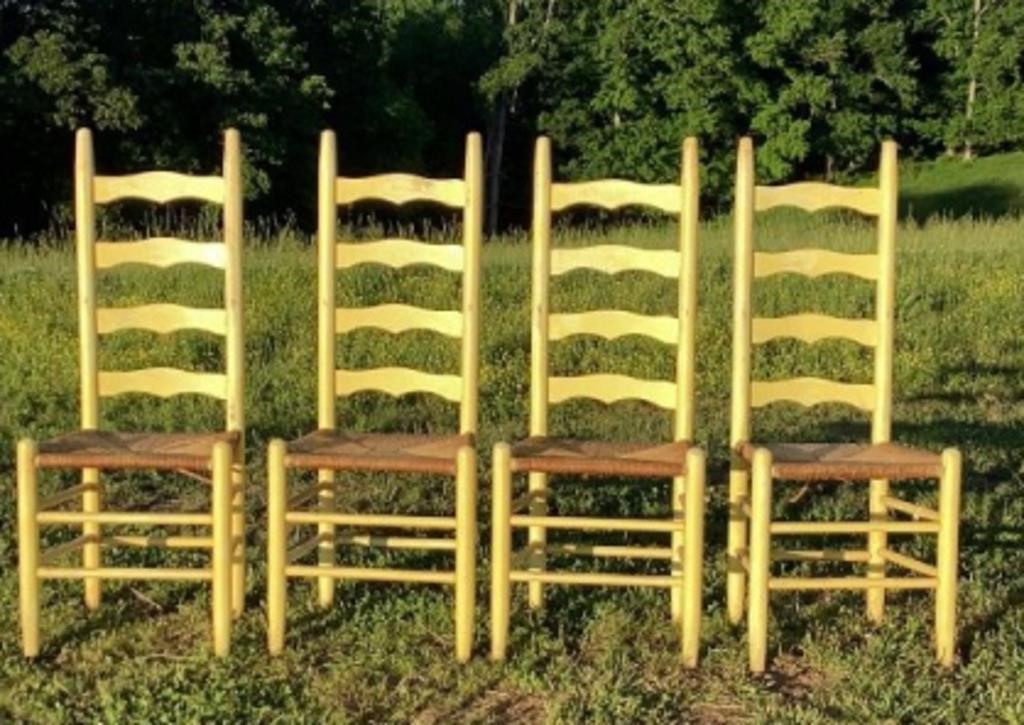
{"points": [[402, 452], [112, 450], [848, 461], [599, 458]]}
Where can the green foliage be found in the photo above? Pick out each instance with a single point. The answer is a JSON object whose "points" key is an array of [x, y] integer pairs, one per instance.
{"points": [[383, 653]]}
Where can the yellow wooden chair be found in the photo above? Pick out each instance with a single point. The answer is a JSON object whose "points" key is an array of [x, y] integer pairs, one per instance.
{"points": [[330, 449], [756, 465], [92, 449], [541, 455]]}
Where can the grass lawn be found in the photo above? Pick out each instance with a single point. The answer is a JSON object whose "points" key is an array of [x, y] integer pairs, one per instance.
{"points": [[384, 651]]}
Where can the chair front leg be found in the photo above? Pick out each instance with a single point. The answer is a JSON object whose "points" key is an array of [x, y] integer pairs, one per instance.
{"points": [[277, 546], [223, 545], [948, 558], [238, 530], [465, 552], [537, 537], [501, 550], [736, 572], [28, 547], [760, 558], [877, 543], [693, 553], [92, 553]]}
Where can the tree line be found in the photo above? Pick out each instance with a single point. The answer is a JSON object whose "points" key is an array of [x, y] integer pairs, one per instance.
{"points": [[615, 83]]}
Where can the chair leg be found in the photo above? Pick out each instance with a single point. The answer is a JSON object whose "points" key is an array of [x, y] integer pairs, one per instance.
{"points": [[92, 554], [736, 576], [948, 557], [238, 532], [277, 546], [693, 550], [877, 541], [326, 549], [465, 552], [537, 537], [501, 550], [222, 548], [678, 547], [28, 547], [760, 558]]}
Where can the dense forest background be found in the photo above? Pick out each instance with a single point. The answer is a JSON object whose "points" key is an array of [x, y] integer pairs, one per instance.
{"points": [[616, 83]]}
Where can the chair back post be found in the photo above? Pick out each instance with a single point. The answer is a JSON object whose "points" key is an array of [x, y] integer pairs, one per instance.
{"points": [[233, 300], [541, 273], [743, 264], [85, 254], [885, 293], [689, 218], [472, 232], [327, 227]]}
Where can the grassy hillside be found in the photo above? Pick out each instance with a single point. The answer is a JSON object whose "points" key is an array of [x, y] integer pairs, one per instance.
{"points": [[383, 652], [991, 186]]}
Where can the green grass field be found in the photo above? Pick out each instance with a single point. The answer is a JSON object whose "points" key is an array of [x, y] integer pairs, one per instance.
{"points": [[383, 653]]}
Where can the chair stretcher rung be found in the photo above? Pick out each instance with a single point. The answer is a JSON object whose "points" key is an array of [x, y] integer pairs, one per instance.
{"points": [[141, 518], [524, 502], [306, 494], [910, 563], [797, 583], [56, 552], [614, 552], [66, 495], [853, 527], [373, 575], [586, 523], [595, 579], [310, 545], [912, 509], [52, 572], [386, 520], [848, 555]]}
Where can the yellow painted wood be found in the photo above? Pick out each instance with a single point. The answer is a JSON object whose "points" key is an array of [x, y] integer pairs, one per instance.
{"points": [[542, 267], [381, 520], [948, 557], [163, 383], [589, 523], [159, 187], [397, 382], [596, 579], [810, 327], [811, 391], [693, 556], [411, 576], [677, 548], [124, 518], [609, 388], [815, 195], [909, 562], [400, 189], [159, 541], [126, 574], [616, 552], [396, 542], [472, 241], [739, 478], [615, 194], [64, 496], [815, 263], [612, 324], [277, 546], [686, 338], [465, 552], [398, 253], [55, 553], [885, 310], [857, 556], [613, 258], [395, 318], [501, 550], [85, 261], [222, 549], [161, 252], [28, 547], [847, 582], [796, 528], [919, 512], [759, 558], [161, 318]]}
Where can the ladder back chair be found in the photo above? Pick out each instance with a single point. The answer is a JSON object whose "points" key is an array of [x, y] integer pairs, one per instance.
{"points": [[541, 455], [93, 449], [331, 449], [755, 465]]}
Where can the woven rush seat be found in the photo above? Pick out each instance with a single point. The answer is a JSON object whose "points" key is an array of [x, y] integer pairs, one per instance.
{"points": [[114, 450], [602, 458], [842, 461], [400, 452]]}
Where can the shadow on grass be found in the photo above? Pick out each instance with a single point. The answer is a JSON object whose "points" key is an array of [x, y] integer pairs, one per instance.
{"points": [[974, 200]]}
